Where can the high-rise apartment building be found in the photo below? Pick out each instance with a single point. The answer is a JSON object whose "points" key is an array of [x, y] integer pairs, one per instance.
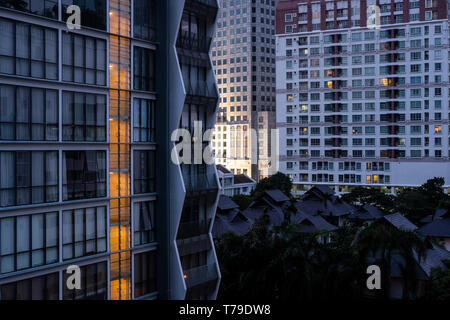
{"points": [[243, 56], [86, 175], [363, 92]]}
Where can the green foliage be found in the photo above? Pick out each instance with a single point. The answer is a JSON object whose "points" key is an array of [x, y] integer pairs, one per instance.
{"points": [[438, 288], [281, 263], [242, 200], [277, 181], [417, 203], [376, 197]]}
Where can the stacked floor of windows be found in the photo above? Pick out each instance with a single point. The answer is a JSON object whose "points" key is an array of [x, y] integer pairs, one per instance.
{"points": [[78, 143], [369, 103]]}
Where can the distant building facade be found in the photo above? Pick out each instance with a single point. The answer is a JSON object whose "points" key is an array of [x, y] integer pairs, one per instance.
{"points": [[363, 101], [243, 56], [234, 184]]}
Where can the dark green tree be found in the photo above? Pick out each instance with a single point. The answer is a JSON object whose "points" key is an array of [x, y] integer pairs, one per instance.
{"points": [[438, 288], [370, 196], [277, 181], [242, 200]]}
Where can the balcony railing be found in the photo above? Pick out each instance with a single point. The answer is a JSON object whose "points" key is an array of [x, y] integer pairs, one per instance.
{"points": [[199, 181], [209, 3], [193, 228], [191, 41], [199, 275], [201, 89]]}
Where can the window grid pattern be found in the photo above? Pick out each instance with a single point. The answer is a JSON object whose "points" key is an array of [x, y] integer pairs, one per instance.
{"points": [[28, 114], [28, 241], [84, 232], [28, 177]]}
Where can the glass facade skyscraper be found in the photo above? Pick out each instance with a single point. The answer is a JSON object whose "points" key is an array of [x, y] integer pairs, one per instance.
{"points": [[86, 176]]}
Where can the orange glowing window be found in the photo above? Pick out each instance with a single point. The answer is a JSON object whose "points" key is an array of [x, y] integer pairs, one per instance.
{"points": [[330, 84]]}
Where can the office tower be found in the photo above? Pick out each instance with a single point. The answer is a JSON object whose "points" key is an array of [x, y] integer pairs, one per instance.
{"points": [[86, 176], [243, 56], [363, 99]]}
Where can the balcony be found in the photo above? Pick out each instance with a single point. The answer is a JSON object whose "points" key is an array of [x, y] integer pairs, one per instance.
{"points": [[197, 182], [201, 89], [191, 41], [200, 275], [193, 228]]}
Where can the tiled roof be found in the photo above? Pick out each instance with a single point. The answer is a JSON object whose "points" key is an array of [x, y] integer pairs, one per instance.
{"points": [[225, 203], [336, 208], [277, 196], [441, 213], [400, 222], [242, 178], [437, 228], [367, 212], [222, 168], [311, 223]]}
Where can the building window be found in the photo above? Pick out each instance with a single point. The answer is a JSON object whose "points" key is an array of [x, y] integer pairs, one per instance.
{"points": [[144, 69], [28, 114], [144, 222], [93, 13], [94, 283], [84, 117], [84, 174], [144, 171], [144, 273], [46, 8], [84, 59], [45, 287], [28, 241], [28, 50], [144, 120], [144, 19], [28, 177], [84, 232]]}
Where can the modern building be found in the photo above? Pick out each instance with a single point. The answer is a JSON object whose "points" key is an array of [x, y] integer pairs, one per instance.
{"points": [[86, 176], [234, 184], [243, 56], [363, 92]]}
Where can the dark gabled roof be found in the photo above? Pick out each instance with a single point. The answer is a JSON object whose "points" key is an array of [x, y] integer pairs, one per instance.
{"points": [[312, 205], [440, 213], [275, 214], [427, 219], [437, 228], [397, 264], [276, 195], [400, 222], [433, 258], [310, 223], [235, 222], [318, 191], [225, 203], [222, 168], [242, 178], [367, 212]]}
